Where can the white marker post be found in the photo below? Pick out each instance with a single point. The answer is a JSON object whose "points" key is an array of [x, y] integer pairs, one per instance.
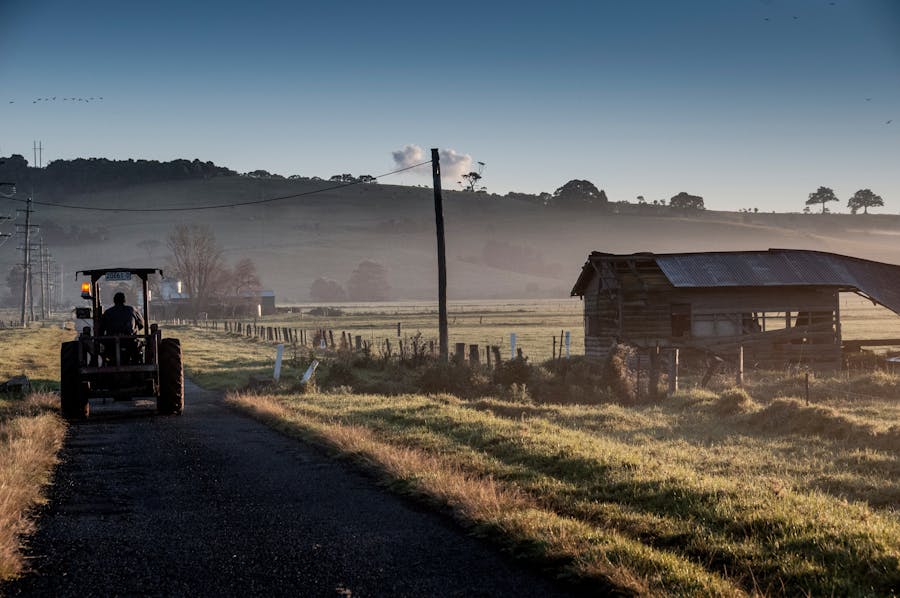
{"points": [[278, 355], [568, 342], [512, 345], [309, 371]]}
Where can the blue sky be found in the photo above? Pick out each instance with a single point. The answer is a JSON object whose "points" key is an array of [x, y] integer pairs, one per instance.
{"points": [[642, 98]]}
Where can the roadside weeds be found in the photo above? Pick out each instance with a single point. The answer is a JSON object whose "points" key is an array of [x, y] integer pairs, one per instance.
{"points": [[31, 435]]}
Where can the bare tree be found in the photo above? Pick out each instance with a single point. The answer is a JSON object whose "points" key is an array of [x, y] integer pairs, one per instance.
{"points": [[241, 285], [244, 278], [197, 261]]}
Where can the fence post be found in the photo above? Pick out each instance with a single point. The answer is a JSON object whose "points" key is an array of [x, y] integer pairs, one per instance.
{"points": [[560, 344], [474, 355], [740, 367], [460, 353], [673, 372]]}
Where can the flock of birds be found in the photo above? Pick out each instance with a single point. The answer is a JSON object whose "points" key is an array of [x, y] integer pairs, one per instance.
{"points": [[55, 98]]}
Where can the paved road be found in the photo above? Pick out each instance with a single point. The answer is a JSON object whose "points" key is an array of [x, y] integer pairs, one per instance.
{"points": [[214, 503]]}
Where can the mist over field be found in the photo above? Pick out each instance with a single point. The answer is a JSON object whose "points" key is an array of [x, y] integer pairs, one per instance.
{"points": [[496, 247]]}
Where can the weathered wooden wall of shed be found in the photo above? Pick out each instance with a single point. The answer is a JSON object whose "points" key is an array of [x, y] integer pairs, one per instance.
{"points": [[635, 306]]}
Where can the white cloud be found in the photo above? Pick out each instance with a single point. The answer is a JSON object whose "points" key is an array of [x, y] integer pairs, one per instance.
{"points": [[408, 155], [453, 164]]}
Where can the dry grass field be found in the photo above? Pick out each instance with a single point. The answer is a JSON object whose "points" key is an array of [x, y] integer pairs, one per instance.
{"points": [[31, 434], [716, 492]]}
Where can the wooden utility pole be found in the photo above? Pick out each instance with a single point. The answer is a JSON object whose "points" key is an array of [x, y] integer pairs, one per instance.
{"points": [[26, 265], [43, 273], [443, 332]]}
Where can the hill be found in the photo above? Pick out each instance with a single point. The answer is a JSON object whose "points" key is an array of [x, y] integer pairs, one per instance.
{"points": [[497, 248]]}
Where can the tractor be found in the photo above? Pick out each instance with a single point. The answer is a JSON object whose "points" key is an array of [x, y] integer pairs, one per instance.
{"points": [[121, 367]]}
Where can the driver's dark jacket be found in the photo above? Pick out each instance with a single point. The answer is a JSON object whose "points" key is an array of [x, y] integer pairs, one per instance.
{"points": [[121, 319]]}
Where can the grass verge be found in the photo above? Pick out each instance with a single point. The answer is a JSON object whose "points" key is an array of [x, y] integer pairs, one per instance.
{"points": [[693, 497], [31, 434]]}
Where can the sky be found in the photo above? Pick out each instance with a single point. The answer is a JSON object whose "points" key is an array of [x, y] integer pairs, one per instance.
{"points": [[748, 103]]}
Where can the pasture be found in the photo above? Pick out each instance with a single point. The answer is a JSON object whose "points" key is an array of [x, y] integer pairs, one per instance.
{"points": [[717, 491]]}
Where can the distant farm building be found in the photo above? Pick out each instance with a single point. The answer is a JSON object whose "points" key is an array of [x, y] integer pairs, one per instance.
{"points": [[267, 302], [174, 302], [781, 305]]}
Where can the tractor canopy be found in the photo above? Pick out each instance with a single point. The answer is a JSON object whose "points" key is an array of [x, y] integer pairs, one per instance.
{"points": [[97, 273]]}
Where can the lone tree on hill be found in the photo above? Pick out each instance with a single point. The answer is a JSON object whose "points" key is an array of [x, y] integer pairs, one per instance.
{"points": [[686, 201], [471, 180], [865, 199], [822, 195], [579, 193]]}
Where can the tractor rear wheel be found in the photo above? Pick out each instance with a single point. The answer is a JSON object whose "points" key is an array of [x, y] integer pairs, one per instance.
{"points": [[171, 378], [72, 404]]}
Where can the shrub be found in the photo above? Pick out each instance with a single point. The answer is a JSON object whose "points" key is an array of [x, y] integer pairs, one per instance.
{"points": [[336, 373], [617, 376], [514, 371], [446, 377], [734, 400]]}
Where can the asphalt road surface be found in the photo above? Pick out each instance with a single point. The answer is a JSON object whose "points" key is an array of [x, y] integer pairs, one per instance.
{"points": [[215, 504]]}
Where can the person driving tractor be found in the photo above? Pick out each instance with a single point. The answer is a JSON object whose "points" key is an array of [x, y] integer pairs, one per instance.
{"points": [[121, 319]]}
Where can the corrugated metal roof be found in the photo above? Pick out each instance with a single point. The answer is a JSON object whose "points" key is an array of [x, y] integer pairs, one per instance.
{"points": [[755, 268], [773, 268]]}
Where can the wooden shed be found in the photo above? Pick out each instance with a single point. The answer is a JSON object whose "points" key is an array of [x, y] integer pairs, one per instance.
{"points": [[781, 306]]}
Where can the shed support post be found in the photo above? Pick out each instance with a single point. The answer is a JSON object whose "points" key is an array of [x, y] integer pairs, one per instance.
{"points": [[653, 378]]}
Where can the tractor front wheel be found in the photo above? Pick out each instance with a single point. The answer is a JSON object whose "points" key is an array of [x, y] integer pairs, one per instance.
{"points": [[171, 378], [72, 404]]}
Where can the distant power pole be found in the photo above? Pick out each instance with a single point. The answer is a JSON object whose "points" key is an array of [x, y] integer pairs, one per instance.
{"points": [[37, 147], [443, 332], [43, 272], [26, 266]]}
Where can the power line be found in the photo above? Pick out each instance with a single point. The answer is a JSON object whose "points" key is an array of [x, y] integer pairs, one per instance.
{"points": [[216, 206]]}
